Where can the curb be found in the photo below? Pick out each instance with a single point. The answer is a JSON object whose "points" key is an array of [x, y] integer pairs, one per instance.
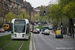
{"points": [[30, 47], [32, 43]]}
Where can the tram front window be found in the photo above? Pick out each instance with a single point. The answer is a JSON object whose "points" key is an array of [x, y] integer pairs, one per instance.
{"points": [[19, 26]]}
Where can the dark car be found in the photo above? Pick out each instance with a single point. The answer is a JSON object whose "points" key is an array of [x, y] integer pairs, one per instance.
{"points": [[2, 30]]}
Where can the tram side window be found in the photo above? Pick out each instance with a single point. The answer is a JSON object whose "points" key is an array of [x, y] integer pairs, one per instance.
{"points": [[12, 28], [28, 29]]}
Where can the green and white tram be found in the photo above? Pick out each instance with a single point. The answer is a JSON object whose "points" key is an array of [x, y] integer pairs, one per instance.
{"points": [[20, 29]]}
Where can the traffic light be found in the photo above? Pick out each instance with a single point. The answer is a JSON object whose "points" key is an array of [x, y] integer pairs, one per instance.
{"points": [[44, 13], [61, 24], [55, 24]]}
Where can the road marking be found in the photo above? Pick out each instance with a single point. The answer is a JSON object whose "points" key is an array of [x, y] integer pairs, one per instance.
{"points": [[33, 42]]}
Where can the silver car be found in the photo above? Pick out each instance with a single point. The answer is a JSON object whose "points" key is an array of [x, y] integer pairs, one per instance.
{"points": [[37, 30], [45, 30]]}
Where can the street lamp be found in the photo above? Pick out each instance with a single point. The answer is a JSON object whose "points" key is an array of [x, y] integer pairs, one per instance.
{"points": [[44, 12], [23, 14]]}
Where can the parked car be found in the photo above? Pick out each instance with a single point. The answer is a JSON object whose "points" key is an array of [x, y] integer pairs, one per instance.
{"points": [[2, 30], [45, 30], [6, 27], [36, 30]]}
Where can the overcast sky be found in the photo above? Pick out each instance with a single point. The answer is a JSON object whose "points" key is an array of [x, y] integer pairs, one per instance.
{"points": [[36, 3]]}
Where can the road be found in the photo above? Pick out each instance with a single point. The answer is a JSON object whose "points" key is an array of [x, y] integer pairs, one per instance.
{"points": [[49, 42], [4, 33]]}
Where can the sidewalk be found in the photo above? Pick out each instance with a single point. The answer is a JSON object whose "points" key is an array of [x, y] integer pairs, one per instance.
{"points": [[65, 37], [52, 33]]}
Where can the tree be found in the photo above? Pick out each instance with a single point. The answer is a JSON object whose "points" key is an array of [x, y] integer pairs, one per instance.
{"points": [[69, 10], [54, 11], [0, 17], [23, 15], [10, 16], [65, 8], [62, 3], [26, 16], [60, 10], [37, 17], [0, 11], [45, 18], [42, 9]]}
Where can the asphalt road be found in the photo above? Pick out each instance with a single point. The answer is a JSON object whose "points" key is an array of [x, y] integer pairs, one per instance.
{"points": [[4, 33], [45, 42]]}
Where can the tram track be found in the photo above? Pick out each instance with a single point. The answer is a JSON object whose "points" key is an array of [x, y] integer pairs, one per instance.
{"points": [[4, 39], [6, 45], [12, 44], [21, 45]]}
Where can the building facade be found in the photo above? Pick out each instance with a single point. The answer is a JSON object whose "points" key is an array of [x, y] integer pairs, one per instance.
{"points": [[9, 6], [37, 10], [19, 1], [26, 7]]}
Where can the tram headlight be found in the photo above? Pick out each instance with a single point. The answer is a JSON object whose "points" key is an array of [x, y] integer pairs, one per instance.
{"points": [[15, 35], [22, 35]]}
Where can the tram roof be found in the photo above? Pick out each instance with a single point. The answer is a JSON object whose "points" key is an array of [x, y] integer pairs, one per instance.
{"points": [[27, 21]]}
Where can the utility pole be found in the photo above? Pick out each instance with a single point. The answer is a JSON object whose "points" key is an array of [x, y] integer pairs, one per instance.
{"points": [[23, 14]]}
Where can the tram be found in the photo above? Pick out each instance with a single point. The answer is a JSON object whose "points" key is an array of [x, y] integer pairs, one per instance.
{"points": [[20, 29]]}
